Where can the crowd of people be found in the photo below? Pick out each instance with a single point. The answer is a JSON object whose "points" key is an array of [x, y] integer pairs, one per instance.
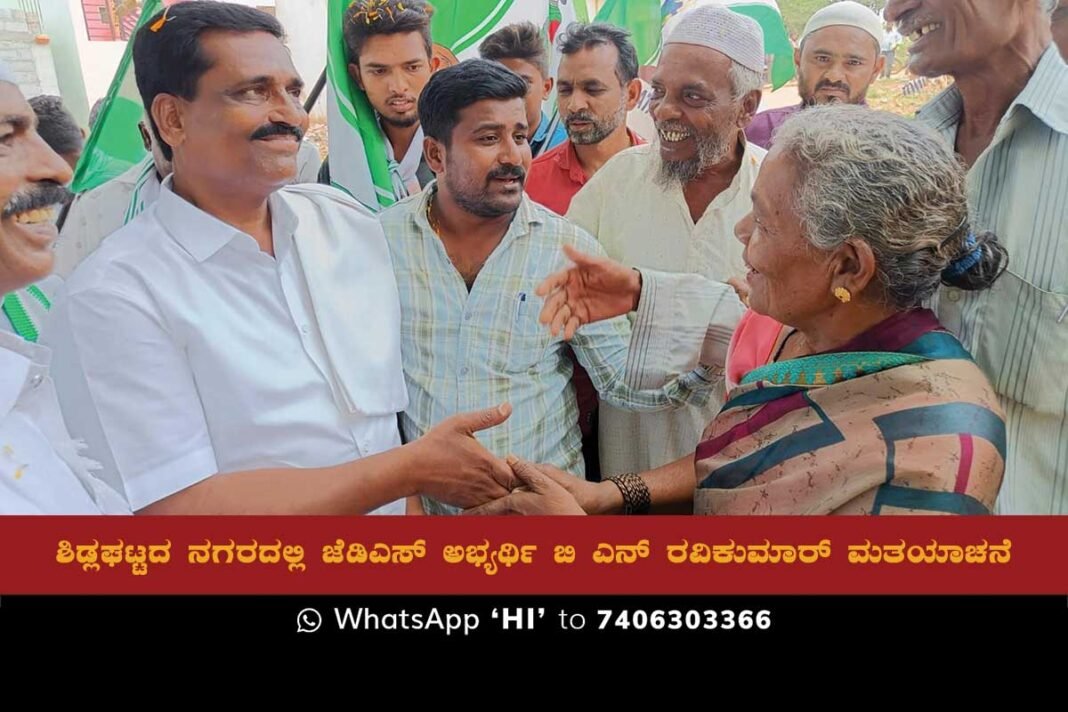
{"points": [[818, 309]]}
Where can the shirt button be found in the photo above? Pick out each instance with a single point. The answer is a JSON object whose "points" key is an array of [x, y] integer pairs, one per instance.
{"points": [[463, 371], [304, 329], [36, 380], [953, 295], [467, 316]]}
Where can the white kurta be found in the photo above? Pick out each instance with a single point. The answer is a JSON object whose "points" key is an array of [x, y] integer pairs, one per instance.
{"points": [[184, 350], [644, 225]]}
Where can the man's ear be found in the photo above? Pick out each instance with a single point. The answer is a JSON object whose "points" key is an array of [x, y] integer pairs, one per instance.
{"points": [[634, 93], [169, 119], [434, 152], [547, 88]]}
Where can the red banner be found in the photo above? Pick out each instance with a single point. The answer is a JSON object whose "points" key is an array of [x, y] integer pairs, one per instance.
{"points": [[565, 555]]}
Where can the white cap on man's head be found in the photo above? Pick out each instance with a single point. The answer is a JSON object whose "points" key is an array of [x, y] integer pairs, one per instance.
{"points": [[714, 26], [847, 14]]}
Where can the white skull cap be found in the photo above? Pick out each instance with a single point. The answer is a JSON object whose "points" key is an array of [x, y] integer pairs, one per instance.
{"points": [[847, 14], [714, 26]]}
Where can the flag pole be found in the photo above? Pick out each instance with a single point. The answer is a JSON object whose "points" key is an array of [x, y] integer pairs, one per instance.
{"points": [[313, 95]]}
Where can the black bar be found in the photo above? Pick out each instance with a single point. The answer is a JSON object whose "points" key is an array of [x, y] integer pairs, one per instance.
{"points": [[313, 96], [581, 620]]}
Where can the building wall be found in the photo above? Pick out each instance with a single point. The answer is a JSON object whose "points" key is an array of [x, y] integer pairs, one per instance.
{"points": [[31, 62], [99, 59], [305, 25]]}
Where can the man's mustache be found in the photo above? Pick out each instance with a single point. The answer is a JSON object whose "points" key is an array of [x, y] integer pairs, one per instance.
{"points": [[43, 194], [277, 129], [833, 85], [580, 116], [507, 172]]}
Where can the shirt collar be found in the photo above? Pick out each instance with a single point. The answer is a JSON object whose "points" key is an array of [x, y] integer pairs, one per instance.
{"points": [[567, 158], [543, 129], [1045, 96], [1046, 93], [746, 174], [17, 357], [202, 235], [525, 217], [745, 177], [409, 165]]}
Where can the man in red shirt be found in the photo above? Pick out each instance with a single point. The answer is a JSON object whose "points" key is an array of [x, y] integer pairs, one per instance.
{"points": [[597, 84]]}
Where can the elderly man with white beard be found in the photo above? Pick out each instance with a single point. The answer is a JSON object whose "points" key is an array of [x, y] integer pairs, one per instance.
{"points": [[671, 206]]}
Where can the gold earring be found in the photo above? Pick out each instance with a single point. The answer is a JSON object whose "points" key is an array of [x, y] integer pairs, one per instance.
{"points": [[842, 294]]}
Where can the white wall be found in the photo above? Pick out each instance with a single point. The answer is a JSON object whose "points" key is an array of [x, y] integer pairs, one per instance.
{"points": [[99, 59], [30, 62], [46, 69], [304, 21], [305, 25]]}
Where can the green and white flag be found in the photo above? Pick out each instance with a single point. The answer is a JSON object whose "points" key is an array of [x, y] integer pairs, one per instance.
{"points": [[358, 162], [644, 20], [777, 43], [115, 143]]}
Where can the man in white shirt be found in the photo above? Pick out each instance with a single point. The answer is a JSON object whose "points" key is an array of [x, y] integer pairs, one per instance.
{"points": [[97, 213], [672, 206], [236, 348], [1006, 116], [41, 471]]}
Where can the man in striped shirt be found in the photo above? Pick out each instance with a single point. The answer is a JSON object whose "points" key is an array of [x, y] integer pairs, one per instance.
{"points": [[1007, 116], [468, 254]]}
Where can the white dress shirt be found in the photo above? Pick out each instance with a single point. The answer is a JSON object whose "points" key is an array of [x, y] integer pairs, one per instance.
{"points": [[97, 213], [41, 471], [188, 351]]}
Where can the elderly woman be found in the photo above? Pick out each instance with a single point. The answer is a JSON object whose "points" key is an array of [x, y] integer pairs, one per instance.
{"points": [[862, 403]]}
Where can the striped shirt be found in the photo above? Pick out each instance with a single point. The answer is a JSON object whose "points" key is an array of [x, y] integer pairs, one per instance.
{"points": [[1018, 330], [465, 350]]}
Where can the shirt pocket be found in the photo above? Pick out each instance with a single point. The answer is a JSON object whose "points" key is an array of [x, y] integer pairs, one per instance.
{"points": [[1022, 340], [528, 339]]}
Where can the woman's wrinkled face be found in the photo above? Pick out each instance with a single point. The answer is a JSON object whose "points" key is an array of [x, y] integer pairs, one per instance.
{"points": [[789, 279]]}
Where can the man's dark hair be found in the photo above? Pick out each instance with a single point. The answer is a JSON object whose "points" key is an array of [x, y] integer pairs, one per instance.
{"points": [[367, 19], [94, 113], [56, 125], [523, 40], [455, 88], [580, 36], [167, 55]]}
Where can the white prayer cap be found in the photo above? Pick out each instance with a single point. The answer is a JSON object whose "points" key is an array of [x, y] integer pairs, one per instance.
{"points": [[714, 26], [6, 75], [848, 14]]}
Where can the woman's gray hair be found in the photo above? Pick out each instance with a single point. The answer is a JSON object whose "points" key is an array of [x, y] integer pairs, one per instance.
{"points": [[896, 185]]}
